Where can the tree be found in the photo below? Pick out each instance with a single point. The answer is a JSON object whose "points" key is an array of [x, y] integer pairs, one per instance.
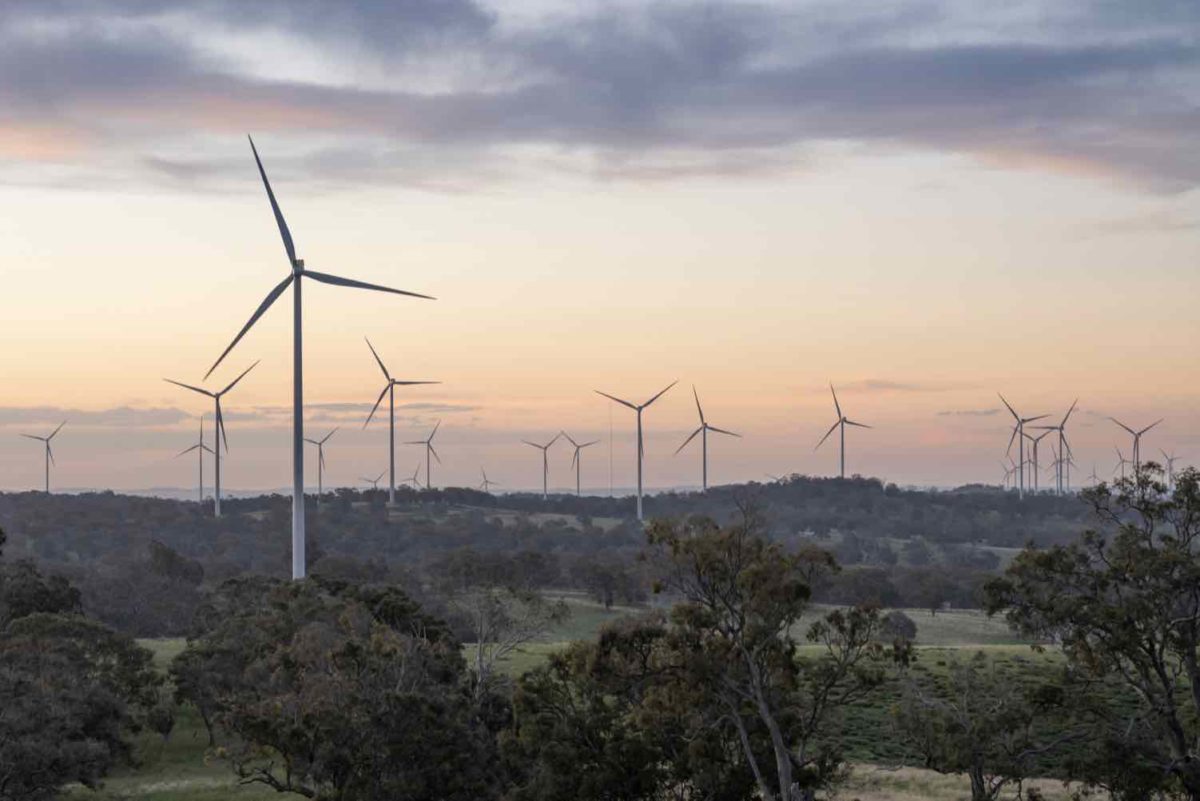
{"points": [[896, 625], [71, 693], [1124, 601], [980, 721], [740, 596], [25, 591], [338, 691]]}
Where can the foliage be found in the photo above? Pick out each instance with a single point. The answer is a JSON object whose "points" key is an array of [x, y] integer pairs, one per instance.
{"points": [[1124, 601], [896, 625], [24, 591]]}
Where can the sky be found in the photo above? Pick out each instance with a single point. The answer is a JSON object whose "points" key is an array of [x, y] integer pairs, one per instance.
{"points": [[922, 203]]}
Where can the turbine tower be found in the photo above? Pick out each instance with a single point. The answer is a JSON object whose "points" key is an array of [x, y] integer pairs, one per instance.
{"points": [[200, 447], [545, 449], [320, 443], [641, 451], [842, 422], [429, 452], [486, 484], [295, 277], [703, 432], [1019, 429], [1121, 462], [1063, 475], [219, 433], [374, 482], [1035, 441], [1009, 470], [389, 389], [1137, 440], [577, 460], [49, 452], [1169, 461]]}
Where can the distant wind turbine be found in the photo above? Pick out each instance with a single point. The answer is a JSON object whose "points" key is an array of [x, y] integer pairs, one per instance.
{"points": [[389, 389], [219, 434], [1121, 462], [703, 432], [1169, 461], [49, 451], [430, 454], [200, 448], [545, 449], [641, 450], [577, 460], [1009, 470], [416, 477], [374, 482], [1137, 440], [842, 422], [1018, 434], [320, 443], [486, 484], [294, 280], [1034, 442], [1063, 475], [1095, 479]]}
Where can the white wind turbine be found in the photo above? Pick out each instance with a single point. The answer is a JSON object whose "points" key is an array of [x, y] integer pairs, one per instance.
{"points": [[320, 443], [841, 422], [1019, 429], [545, 449], [1169, 461], [641, 450], [577, 460], [416, 477], [295, 280], [486, 484], [703, 432], [1009, 470], [1137, 440], [219, 434], [1034, 442], [200, 448], [1121, 462], [49, 452], [374, 482], [430, 454], [1063, 475], [389, 389]]}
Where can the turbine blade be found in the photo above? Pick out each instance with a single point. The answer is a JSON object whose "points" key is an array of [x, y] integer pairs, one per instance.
{"points": [[699, 411], [689, 439], [378, 401], [330, 434], [534, 444], [618, 400], [575, 457], [860, 425], [321, 457], [412, 383], [723, 431], [50, 453], [1143, 431], [1010, 408], [336, 280], [1069, 411], [283, 228], [221, 425], [189, 450], [827, 433], [378, 360], [569, 439], [34, 436], [206, 448], [64, 422], [272, 296], [660, 394], [1032, 419], [435, 454], [1122, 425], [836, 405], [436, 426], [586, 444], [1008, 450], [188, 386], [233, 383]]}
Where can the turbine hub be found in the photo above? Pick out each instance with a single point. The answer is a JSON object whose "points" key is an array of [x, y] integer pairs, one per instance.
{"points": [[297, 266]]}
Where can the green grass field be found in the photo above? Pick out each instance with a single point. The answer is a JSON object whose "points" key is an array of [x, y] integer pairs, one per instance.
{"points": [[180, 769]]}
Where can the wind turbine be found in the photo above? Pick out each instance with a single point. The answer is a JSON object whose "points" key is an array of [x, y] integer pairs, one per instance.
{"points": [[320, 443], [295, 280], [429, 452], [1121, 462], [1137, 440], [416, 477], [1095, 479], [389, 389], [1019, 428], [486, 484], [200, 447], [545, 449], [1169, 460], [1009, 469], [641, 451], [49, 451], [577, 460], [219, 434], [842, 422], [703, 432], [1063, 476], [1034, 461], [374, 482]]}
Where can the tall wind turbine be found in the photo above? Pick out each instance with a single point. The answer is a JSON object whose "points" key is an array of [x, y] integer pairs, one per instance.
{"points": [[1137, 440], [1063, 475], [486, 484], [49, 452], [389, 389], [545, 449], [1019, 429], [641, 450], [577, 460], [430, 453], [703, 432], [219, 433], [200, 448], [1034, 442], [842, 422], [320, 443], [374, 482], [297, 272]]}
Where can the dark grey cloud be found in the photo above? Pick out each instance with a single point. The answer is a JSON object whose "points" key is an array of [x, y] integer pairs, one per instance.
{"points": [[120, 416], [645, 92]]}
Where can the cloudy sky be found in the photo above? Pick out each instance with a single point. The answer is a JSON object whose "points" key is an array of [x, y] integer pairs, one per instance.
{"points": [[922, 202]]}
